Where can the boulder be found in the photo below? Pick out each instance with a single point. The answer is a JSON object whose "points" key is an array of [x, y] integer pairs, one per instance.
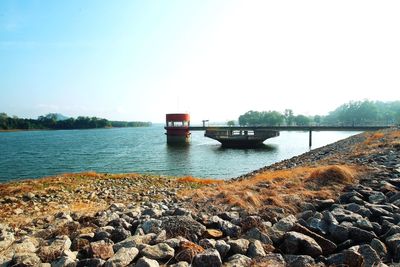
{"points": [[55, 249], [152, 226], [184, 226], [272, 259], [361, 236], [339, 233], [160, 251], [345, 215], [64, 262], [393, 243], [6, 237], [222, 247], [370, 257], [255, 233], [134, 241], [208, 258], [213, 233], [207, 243], [101, 249], [377, 198], [347, 257], [119, 234], [239, 246], [180, 264], [122, 258], [237, 260], [327, 246], [255, 249], [25, 259], [92, 262], [229, 229], [187, 251], [379, 247], [299, 260], [297, 243], [146, 262]]}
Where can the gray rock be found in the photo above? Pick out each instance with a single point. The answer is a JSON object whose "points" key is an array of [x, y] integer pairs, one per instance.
{"points": [[117, 207], [134, 241], [364, 224], [25, 245], [55, 249], [345, 215], [6, 237], [64, 262], [297, 243], [347, 257], [393, 243], [238, 260], [229, 216], [180, 264], [146, 262], [322, 204], [272, 259], [379, 247], [153, 213], [377, 198], [92, 262], [359, 209], [361, 236], [184, 226], [182, 212], [370, 257], [255, 233], [305, 215], [152, 226], [284, 225], [119, 234], [158, 252], [327, 246], [208, 258], [159, 238], [329, 218], [299, 260], [175, 242], [122, 258], [229, 229], [239, 246], [318, 225], [345, 197], [25, 259], [339, 233], [207, 243], [255, 249], [222, 247]]}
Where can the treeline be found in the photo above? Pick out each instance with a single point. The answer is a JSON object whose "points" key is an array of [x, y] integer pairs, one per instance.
{"points": [[52, 121], [352, 113]]}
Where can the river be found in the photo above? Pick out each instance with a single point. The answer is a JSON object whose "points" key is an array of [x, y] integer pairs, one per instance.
{"points": [[33, 154]]}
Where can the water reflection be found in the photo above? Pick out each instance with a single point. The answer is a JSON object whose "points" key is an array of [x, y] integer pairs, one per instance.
{"points": [[177, 157]]}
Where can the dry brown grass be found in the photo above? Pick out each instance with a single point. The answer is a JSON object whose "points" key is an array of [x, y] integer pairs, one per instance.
{"points": [[287, 189], [199, 181]]}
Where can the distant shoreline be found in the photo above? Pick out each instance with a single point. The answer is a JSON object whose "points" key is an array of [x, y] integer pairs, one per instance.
{"points": [[32, 130]]}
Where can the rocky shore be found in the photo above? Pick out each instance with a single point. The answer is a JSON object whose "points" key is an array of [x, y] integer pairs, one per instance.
{"points": [[345, 213]]}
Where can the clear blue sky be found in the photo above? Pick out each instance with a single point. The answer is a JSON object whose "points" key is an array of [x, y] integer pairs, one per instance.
{"points": [[137, 60]]}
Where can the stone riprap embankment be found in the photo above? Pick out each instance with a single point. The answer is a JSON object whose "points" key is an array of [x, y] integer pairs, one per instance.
{"points": [[359, 228]]}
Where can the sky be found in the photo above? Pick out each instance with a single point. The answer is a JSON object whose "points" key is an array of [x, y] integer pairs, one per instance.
{"points": [[216, 59]]}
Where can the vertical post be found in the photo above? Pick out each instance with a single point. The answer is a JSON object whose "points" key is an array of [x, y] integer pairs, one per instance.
{"points": [[310, 138]]}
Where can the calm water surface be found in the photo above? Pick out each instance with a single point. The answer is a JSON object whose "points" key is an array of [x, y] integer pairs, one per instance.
{"points": [[143, 150]]}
